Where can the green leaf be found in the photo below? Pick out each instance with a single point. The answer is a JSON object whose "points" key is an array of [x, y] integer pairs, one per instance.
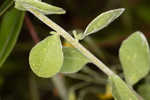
{"points": [[5, 6], [10, 27], [73, 60], [135, 57], [120, 90], [46, 58], [38, 5], [144, 90], [103, 20]]}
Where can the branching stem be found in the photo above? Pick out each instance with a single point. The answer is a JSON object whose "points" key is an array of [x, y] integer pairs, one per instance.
{"points": [[71, 40]]}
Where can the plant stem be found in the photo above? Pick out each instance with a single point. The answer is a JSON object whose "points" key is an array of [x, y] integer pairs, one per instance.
{"points": [[59, 83], [94, 47], [70, 39]]}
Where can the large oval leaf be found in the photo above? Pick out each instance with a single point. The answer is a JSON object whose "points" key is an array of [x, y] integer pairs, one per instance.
{"points": [[5, 6], [38, 5], [73, 60], [46, 58], [120, 90], [103, 20], [135, 57], [10, 27]]}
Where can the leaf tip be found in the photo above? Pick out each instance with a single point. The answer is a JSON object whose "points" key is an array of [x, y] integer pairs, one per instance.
{"points": [[61, 11], [121, 10]]}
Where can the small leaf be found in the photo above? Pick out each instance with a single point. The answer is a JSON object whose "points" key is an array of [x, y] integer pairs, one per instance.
{"points": [[120, 90], [10, 27], [5, 6], [135, 57], [73, 60], [144, 90], [46, 58], [103, 20], [38, 5]]}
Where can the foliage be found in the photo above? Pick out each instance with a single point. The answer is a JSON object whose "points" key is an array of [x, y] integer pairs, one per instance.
{"points": [[46, 58], [50, 59]]}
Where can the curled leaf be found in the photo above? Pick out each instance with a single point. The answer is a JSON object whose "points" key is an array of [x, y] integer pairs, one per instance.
{"points": [[73, 60], [46, 58], [38, 5], [103, 20], [135, 57]]}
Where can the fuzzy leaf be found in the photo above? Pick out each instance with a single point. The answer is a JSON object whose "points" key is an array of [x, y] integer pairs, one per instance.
{"points": [[135, 57], [46, 58], [10, 27], [103, 20], [38, 5], [120, 90], [73, 60]]}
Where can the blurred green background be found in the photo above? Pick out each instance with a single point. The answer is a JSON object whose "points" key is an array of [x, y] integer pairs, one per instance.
{"points": [[18, 82]]}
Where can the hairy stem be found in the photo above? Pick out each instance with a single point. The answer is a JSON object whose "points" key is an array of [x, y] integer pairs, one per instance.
{"points": [[70, 39]]}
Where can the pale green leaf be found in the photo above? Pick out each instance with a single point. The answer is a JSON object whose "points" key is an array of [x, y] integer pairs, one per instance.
{"points": [[135, 57], [73, 60], [144, 90], [103, 20], [10, 27], [38, 5], [120, 90], [46, 58]]}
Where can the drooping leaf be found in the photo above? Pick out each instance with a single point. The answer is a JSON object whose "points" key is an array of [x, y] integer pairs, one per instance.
{"points": [[73, 60], [5, 6], [46, 58], [10, 27], [135, 57], [103, 20], [120, 90], [144, 90], [38, 5]]}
